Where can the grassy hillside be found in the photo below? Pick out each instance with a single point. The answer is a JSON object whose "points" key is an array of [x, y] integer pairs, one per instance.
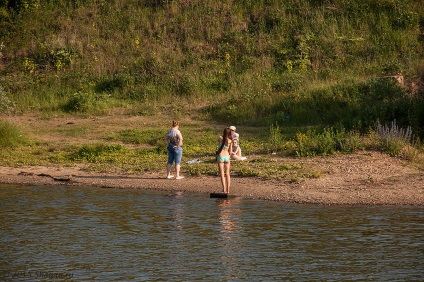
{"points": [[299, 78], [293, 63]]}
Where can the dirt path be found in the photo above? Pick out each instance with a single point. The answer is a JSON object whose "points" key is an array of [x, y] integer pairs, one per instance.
{"points": [[363, 178]]}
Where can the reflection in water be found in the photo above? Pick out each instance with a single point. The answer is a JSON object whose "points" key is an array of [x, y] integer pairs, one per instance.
{"points": [[229, 212], [231, 245], [135, 235], [177, 208]]}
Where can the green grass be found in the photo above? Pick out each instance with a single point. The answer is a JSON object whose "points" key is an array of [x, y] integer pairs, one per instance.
{"points": [[311, 60], [10, 135], [302, 78], [131, 150]]}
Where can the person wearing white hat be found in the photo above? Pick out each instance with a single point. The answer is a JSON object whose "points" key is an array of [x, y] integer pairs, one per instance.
{"points": [[234, 134]]}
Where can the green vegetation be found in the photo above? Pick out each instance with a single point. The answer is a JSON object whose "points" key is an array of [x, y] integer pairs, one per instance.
{"points": [[303, 78], [111, 147], [10, 135], [94, 153]]}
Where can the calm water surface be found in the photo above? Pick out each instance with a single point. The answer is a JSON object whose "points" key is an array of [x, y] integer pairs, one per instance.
{"points": [[84, 234]]}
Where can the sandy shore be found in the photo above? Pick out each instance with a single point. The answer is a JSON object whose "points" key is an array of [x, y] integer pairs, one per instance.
{"points": [[363, 178]]}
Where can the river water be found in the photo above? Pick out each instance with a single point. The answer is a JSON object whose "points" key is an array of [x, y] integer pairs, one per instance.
{"points": [[88, 234]]}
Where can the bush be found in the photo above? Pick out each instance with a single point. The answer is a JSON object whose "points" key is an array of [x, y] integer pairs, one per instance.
{"points": [[392, 138], [275, 137], [384, 100], [109, 84], [83, 102], [6, 105], [10, 135], [329, 141]]}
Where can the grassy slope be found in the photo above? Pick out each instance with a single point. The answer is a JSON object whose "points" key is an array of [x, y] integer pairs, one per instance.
{"points": [[301, 65], [255, 56]]}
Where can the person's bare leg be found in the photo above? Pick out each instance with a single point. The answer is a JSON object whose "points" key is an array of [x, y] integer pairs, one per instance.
{"points": [[222, 174], [235, 157], [168, 170], [227, 177], [177, 170]]}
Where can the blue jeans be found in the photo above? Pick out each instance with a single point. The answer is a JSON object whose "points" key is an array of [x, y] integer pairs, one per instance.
{"points": [[175, 153]]}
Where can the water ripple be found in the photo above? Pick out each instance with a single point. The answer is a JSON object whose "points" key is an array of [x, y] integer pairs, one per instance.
{"points": [[135, 235]]}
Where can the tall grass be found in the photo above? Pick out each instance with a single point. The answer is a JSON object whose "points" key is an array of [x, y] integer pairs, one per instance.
{"points": [[6, 104], [393, 138], [327, 142], [10, 135], [264, 59]]}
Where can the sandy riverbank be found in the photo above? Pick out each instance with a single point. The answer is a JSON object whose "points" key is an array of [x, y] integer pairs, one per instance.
{"points": [[362, 178]]}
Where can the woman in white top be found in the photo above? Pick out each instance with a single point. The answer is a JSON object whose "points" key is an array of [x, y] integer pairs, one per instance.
{"points": [[236, 151]]}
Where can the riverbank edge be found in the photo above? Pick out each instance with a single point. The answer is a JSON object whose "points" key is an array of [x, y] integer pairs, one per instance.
{"points": [[398, 190]]}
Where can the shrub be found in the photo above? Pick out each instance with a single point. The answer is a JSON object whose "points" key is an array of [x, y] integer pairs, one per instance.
{"points": [[329, 141], [305, 145], [350, 143], [414, 151], [6, 105], [393, 139], [10, 135], [83, 102], [325, 142], [109, 84], [384, 100], [289, 81], [275, 137], [220, 83]]}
